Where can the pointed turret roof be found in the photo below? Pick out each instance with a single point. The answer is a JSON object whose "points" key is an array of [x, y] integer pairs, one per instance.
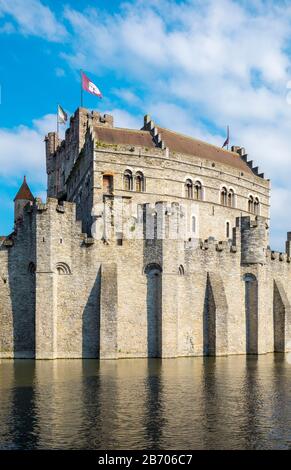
{"points": [[24, 192]]}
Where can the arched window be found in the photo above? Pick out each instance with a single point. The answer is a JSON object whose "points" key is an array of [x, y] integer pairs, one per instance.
{"points": [[181, 270], [127, 180], [198, 191], [193, 224], [230, 198], [227, 229], [223, 196], [139, 182], [251, 204], [257, 206], [189, 189], [63, 268], [31, 268], [153, 269]]}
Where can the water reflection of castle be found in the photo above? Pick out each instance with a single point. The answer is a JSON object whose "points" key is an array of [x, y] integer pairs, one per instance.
{"points": [[145, 404]]}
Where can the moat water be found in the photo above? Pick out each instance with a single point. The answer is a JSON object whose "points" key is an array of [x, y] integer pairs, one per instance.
{"points": [[187, 403]]}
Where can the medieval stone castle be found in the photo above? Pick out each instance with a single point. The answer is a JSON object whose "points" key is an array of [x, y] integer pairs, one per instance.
{"points": [[150, 244]]}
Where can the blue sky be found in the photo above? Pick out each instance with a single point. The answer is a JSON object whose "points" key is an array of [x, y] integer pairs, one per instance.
{"points": [[195, 66]]}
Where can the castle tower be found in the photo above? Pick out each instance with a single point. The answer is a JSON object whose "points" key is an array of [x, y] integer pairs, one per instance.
{"points": [[254, 240], [61, 155], [23, 197]]}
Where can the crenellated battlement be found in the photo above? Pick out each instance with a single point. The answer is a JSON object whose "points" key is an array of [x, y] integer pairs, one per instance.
{"points": [[277, 256], [150, 126], [217, 245], [162, 220], [244, 156], [53, 203]]}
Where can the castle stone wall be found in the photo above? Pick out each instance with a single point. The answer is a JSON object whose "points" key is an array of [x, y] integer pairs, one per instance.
{"points": [[164, 297], [17, 291], [165, 178], [153, 282]]}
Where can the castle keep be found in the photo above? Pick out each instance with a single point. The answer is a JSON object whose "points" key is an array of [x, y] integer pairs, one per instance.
{"points": [[150, 244]]}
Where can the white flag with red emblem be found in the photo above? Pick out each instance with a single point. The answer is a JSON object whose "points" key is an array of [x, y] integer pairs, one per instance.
{"points": [[89, 86]]}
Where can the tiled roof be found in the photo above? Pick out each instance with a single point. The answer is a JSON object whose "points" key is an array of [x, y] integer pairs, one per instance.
{"points": [[174, 141], [183, 144], [24, 192], [116, 135]]}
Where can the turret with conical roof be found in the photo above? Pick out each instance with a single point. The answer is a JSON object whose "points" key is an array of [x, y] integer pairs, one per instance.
{"points": [[22, 198]]}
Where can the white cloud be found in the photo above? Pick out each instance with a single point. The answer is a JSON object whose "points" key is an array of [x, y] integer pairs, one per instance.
{"points": [[124, 119], [280, 216], [128, 96], [23, 153], [33, 18], [23, 150], [200, 37], [178, 119], [45, 124]]}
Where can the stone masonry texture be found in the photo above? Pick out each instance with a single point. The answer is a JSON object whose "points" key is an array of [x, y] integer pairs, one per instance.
{"points": [[149, 245]]}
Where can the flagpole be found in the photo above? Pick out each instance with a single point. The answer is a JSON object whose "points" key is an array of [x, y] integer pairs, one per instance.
{"points": [[58, 122], [81, 88], [227, 136]]}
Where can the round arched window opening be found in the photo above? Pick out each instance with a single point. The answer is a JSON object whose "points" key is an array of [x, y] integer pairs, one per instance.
{"points": [[223, 196], [153, 269], [181, 270], [189, 189], [127, 180], [139, 182]]}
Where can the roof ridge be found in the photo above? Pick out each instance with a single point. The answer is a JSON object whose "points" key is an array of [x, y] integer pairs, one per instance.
{"points": [[122, 129], [198, 140]]}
